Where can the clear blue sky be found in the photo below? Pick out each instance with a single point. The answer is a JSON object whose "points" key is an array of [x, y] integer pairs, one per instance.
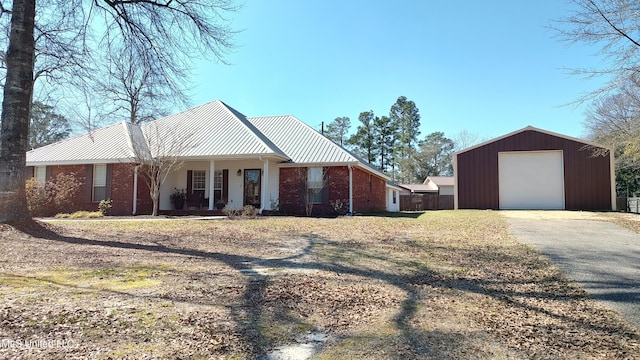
{"points": [[490, 67]]}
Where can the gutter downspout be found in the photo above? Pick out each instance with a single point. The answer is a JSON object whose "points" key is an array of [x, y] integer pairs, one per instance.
{"points": [[350, 189], [135, 190]]}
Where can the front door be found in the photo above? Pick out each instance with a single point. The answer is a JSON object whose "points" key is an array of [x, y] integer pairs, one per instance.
{"points": [[252, 187]]}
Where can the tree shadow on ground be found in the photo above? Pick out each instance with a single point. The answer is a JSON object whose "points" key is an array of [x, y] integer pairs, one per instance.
{"points": [[399, 214]]}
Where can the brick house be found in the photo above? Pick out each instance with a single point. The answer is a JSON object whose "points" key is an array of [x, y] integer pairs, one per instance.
{"points": [[230, 159]]}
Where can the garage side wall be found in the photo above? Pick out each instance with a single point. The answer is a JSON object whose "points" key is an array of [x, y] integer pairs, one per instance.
{"points": [[587, 179]]}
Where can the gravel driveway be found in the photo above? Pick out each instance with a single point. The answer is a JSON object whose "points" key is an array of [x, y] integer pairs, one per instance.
{"points": [[603, 257]]}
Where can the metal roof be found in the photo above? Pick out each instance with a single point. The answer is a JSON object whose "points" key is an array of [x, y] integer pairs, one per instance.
{"points": [[305, 145], [300, 142], [418, 188], [212, 129], [108, 144], [439, 180]]}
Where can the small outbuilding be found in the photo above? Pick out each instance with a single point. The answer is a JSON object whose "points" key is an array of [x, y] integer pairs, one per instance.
{"points": [[534, 169]]}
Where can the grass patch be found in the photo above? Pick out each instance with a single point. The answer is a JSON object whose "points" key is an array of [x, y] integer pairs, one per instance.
{"points": [[81, 215]]}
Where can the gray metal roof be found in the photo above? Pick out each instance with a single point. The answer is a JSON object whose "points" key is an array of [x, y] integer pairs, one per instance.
{"points": [[213, 129], [210, 130], [106, 145], [299, 141], [305, 145]]}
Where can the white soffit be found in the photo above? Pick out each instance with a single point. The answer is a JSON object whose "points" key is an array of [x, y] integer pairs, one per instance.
{"points": [[531, 180]]}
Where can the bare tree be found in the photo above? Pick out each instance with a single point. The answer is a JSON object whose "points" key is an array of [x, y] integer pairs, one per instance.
{"points": [[159, 152], [139, 93], [465, 139], [614, 121], [310, 183], [164, 34], [612, 25]]}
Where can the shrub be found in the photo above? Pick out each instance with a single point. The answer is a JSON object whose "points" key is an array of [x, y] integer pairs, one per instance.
{"points": [[63, 189], [339, 207], [56, 195], [247, 212], [37, 198], [104, 206]]}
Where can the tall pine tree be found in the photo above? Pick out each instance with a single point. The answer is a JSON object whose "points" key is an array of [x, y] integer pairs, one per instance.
{"points": [[337, 129], [364, 139], [406, 117], [386, 136]]}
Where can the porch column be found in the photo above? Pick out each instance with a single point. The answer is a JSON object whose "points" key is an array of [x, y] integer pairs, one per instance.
{"points": [[350, 190], [212, 179], [265, 185]]}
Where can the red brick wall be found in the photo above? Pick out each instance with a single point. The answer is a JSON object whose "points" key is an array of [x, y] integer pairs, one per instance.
{"points": [[369, 191], [145, 205], [120, 184], [121, 189], [289, 189]]}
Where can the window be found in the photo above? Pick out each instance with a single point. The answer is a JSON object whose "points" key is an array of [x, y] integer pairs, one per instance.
{"points": [[315, 180], [199, 180], [394, 196], [99, 183], [217, 186], [40, 173]]}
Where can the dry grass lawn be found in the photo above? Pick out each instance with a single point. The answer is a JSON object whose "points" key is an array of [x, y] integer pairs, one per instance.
{"points": [[442, 285]]}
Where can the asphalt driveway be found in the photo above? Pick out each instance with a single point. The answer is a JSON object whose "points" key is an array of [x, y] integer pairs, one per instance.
{"points": [[603, 257]]}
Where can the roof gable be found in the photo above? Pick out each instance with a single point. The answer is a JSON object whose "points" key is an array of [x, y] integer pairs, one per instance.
{"points": [[215, 129], [529, 128], [439, 180]]}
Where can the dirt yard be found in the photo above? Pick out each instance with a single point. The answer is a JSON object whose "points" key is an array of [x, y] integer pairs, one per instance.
{"points": [[442, 285]]}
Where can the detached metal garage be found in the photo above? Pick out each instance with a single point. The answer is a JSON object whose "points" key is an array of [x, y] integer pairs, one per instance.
{"points": [[534, 169]]}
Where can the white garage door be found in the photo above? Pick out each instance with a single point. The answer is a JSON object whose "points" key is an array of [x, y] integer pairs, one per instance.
{"points": [[531, 180]]}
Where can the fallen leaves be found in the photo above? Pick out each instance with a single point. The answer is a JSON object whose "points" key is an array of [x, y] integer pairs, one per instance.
{"points": [[445, 285]]}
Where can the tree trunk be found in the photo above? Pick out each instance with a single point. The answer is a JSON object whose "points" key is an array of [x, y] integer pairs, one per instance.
{"points": [[16, 106], [155, 198]]}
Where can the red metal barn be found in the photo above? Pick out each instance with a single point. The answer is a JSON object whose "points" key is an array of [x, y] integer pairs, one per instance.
{"points": [[534, 169]]}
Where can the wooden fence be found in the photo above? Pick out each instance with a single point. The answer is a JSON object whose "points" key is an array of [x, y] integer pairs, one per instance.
{"points": [[429, 201], [631, 204]]}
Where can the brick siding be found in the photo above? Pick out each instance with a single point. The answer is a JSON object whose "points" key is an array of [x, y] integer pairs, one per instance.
{"points": [[120, 185], [369, 191]]}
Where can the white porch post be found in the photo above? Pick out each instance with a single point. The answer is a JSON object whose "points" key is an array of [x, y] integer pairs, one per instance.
{"points": [[135, 190], [350, 190], [265, 185], [212, 179]]}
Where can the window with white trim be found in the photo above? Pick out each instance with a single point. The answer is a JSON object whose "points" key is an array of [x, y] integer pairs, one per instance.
{"points": [[99, 182], [394, 196], [217, 186], [40, 173], [315, 181], [199, 180]]}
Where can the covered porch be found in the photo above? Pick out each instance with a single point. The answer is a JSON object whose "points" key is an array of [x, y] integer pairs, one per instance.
{"points": [[214, 184]]}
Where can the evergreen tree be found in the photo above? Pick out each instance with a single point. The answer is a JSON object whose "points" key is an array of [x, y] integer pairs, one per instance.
{"points": [[386, 135], [364, 139], [406, 117], [46, 126], [433, 157], [338, 129]]}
